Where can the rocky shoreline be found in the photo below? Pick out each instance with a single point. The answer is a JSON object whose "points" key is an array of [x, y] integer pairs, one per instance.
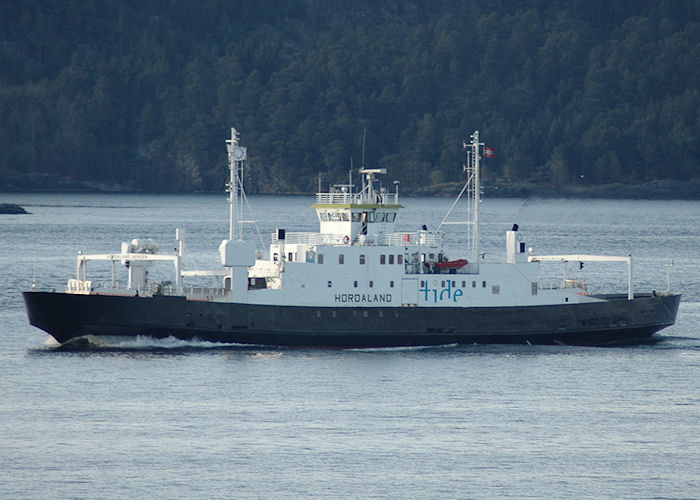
{"points": [[494, 188], [11, 209], [657, 190]]}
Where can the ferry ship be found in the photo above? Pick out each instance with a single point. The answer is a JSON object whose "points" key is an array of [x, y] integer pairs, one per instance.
{"points": [[357, 282]]}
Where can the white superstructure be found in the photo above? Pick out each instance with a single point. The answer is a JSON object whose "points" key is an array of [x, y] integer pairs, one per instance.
{"points": [[357, 258]]}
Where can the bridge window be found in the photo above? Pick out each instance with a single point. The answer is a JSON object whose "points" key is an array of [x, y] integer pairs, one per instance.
{"points": [[345, 216], [356, 217], [324, 216], [335, 217]]}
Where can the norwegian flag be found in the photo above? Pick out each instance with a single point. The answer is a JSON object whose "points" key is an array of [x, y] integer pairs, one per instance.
{"points": [[489, 152]]}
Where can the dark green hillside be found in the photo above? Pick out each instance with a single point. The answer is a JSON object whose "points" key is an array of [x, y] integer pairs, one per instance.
{"points": [[141, 94]]}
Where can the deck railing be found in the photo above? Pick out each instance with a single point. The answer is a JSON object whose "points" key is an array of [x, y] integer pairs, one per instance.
{"points": [[341, 198], [566, 284], [107, 287], [416, 238]]}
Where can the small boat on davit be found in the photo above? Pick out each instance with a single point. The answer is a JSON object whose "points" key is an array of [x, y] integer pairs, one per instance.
{"points": [[357, 282]]}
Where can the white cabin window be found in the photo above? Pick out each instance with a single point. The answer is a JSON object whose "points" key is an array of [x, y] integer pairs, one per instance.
{"points": [[362, 259], [319, 258], [275, 257], [330, 284], [341, 259], [371, 284], [473, 284], [534, 288], [355, 284], [483, 284], [290, 257], [391, 259], [382, 259], [391, 284], [399, 259]]}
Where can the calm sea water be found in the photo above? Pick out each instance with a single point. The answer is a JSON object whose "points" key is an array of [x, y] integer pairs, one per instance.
{"points": [[170, 419]]}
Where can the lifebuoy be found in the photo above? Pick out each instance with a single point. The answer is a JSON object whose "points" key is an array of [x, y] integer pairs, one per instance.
{"points": [[346, 240]]}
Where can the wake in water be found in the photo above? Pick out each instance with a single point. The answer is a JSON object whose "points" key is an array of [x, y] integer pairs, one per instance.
{"points": [[139, 343]]}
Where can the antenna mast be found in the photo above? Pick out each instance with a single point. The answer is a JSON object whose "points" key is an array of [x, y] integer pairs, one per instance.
{"points": [[364, 136], [473, 193], [472, 187], [236, 156]]}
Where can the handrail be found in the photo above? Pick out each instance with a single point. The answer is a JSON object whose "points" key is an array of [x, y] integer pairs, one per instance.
{"points": [[341, 198], [409, 239], [627, 259]]}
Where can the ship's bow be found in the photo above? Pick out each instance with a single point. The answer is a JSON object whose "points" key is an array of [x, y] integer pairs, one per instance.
{"points": [[53, 313]]}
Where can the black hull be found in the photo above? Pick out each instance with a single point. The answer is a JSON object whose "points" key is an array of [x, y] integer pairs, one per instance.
{"points": [[613, 322]]}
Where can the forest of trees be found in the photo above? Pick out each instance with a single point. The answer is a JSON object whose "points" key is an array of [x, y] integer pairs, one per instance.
{"points": [[142, 93]]}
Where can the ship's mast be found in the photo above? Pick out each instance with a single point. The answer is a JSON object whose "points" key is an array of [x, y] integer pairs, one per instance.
{"points": [[474, 194], [236, 156], [472, 187]]}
